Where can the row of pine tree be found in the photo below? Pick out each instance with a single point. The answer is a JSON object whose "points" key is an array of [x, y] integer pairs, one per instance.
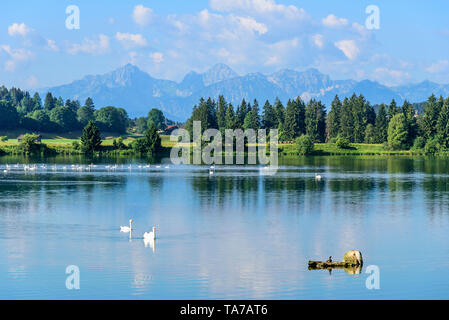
{"points": [[354, 119]]}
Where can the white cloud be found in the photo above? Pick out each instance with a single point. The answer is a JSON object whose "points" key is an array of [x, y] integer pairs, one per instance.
{"points": [[10, 66], [30, 37], [438, 67], [129, 40], [361, 30], [253, 25], [248, 35], [205, 18], [274, 60], [390, 77], [181, 27], [258, 35], [258, 7], [93, 47], [17, 29], [51, 45], [157, 57], [142, 15], [349, 48], [333, 21], [16, 55], [318, 40]]}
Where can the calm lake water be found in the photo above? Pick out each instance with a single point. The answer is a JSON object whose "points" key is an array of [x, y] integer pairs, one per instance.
{"points": [[238, 234]]}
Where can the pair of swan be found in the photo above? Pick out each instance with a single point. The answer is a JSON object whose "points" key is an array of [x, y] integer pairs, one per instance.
{"points": [[147, 235]]}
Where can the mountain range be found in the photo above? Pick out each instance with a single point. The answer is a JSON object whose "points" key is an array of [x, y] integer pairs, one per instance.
{"points": [[137, 92]]}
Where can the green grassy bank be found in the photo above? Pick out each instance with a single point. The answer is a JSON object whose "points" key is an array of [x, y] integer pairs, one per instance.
{"points": [[56, 144], [356, 149]]}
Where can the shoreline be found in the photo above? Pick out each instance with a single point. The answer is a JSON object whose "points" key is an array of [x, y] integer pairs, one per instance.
{"points": [[57, 145], [285, 151]]}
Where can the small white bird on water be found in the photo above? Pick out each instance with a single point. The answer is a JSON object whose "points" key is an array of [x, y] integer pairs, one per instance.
{"points": [[211, 170], [127, 229], [150, 235], [317, 177]]}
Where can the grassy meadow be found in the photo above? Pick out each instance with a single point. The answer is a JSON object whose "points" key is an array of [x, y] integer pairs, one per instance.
{"points": [[62, 143], [354, 150]]}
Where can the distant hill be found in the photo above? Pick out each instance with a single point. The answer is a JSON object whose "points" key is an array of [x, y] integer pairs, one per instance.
{"points": [[136, 91]]}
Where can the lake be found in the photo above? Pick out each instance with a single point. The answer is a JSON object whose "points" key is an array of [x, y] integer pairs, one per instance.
{"points": [[238, 234]]}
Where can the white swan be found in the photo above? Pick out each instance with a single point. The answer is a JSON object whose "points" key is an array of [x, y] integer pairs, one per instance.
{"points": [[150, 243], [127, 229], [318, 177], [150, 235]]}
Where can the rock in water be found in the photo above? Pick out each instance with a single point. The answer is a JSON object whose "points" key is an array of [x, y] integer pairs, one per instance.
{"points": [[353, 257], [353, 270]]}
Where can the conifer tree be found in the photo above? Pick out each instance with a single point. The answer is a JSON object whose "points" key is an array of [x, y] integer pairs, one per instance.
{"points": [[240, 113], [428, 121], [381, 125], [412, 127], [346, 121], [221, 113], [315, 121], [333, 118], [90, 139], [231, 122], [252, 118], [280, 113], [269, 120], [294, 119], [49, 103], [392, 109], [443, 124]]}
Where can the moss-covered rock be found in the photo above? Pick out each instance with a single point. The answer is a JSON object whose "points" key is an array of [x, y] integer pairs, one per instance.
{"points": [[353, 257]]}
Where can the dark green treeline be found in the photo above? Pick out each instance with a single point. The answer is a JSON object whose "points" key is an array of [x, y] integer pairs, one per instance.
{"points": [[354, 118]]}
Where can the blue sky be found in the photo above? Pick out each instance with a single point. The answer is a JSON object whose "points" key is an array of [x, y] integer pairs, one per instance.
{"points": [[170, 38]]}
